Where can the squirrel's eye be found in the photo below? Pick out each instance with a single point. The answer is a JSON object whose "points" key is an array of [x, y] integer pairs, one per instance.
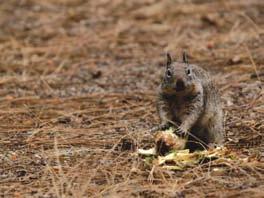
{"points": [[188, 71], [168, 73]]}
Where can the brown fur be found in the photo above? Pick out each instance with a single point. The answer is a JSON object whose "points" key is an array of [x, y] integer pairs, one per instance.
{"points": [[189, 100]]}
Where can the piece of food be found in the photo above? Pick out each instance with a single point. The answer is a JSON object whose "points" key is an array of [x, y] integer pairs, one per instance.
{"points": [[151, 151], [181, 159], [167, 141]]}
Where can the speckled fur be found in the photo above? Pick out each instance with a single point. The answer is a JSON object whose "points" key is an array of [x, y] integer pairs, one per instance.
{"points": [[196, 110]]}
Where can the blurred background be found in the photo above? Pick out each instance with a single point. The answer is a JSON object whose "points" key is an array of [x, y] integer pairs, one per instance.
{"points": [[81, 44]]}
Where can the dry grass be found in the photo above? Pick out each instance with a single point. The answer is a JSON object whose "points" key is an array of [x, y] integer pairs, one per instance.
{"points": [[77, 77]]}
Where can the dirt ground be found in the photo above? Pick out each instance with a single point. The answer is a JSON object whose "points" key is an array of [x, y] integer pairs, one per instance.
{"points": [[78, 81]]}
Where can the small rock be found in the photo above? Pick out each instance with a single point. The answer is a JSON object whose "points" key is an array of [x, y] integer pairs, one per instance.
{"points": [[128, 145], [235, 60], [21, 173], [64, 120]]}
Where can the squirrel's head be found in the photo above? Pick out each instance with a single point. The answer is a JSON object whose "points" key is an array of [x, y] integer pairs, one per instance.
{"points": [[178, 77]]}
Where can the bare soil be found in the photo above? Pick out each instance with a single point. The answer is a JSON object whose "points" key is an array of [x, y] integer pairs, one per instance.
{"points": [[78, 81]]}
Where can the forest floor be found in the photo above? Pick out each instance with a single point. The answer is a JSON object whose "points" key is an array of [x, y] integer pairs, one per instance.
{"points": [[78, 81]]}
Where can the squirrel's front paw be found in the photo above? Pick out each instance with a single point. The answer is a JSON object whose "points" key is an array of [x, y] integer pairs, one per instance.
{"points": [[181, 133], [154, 129], [160, 127], [164, 126]]}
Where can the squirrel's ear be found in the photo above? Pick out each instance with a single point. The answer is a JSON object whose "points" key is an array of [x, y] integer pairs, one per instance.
{"points": [[184, 57], [169, 59]]}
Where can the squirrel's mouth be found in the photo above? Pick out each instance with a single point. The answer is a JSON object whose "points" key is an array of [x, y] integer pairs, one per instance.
{"points": [[180, 86]]}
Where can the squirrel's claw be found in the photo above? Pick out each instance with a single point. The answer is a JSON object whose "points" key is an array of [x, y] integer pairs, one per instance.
{"points": [[180, 132]]}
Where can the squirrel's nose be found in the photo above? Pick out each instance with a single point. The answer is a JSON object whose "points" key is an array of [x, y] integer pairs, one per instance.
{"points": [[180, 86]]}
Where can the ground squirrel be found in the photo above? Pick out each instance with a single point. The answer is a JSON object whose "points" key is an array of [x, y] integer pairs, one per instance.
{"points": [[189, 100]]}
